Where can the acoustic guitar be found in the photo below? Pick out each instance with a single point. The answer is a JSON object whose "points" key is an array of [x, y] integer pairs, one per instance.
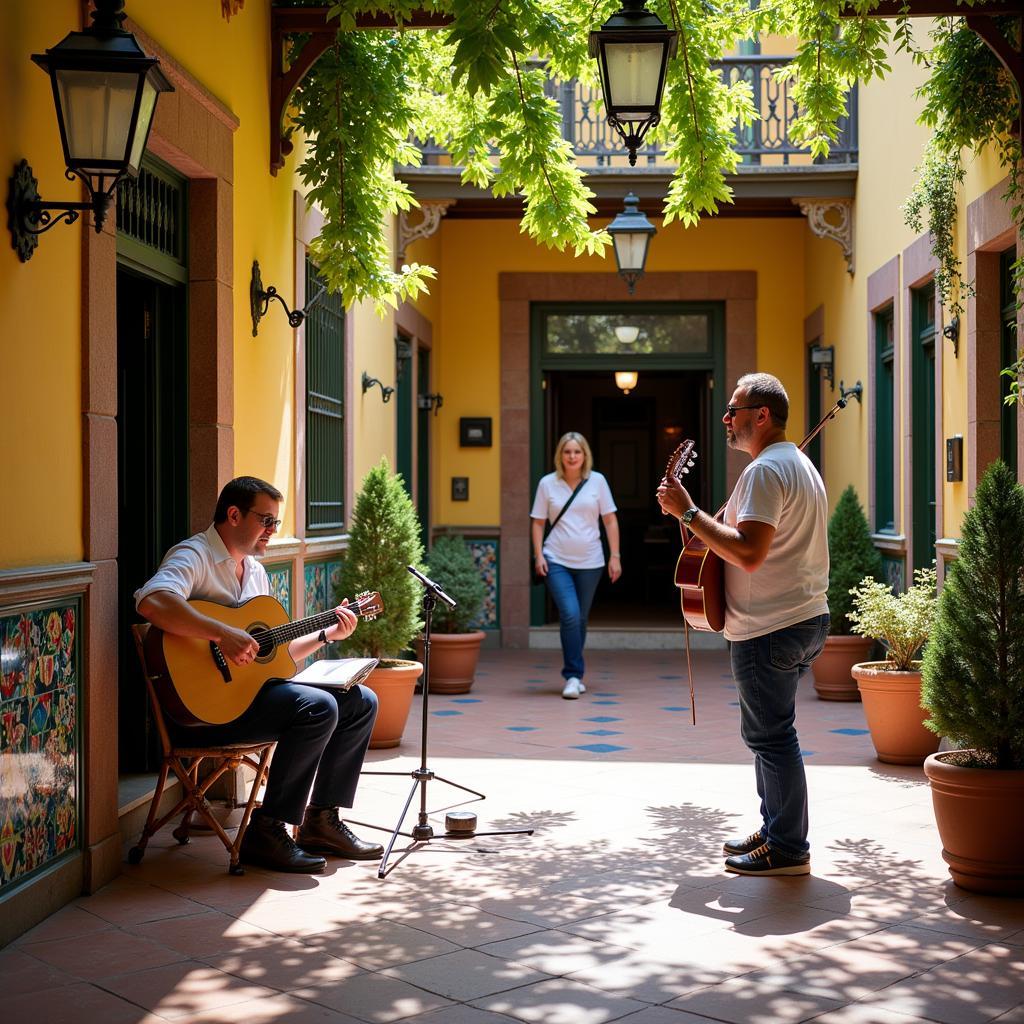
{"points": [[700, 573], [197, 685]]}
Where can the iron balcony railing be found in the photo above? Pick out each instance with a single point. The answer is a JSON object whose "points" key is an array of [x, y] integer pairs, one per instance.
{"points": [[765, 142]]}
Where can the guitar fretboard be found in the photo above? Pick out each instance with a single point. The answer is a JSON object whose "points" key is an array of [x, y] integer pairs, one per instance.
{"points": [[301, 627]]}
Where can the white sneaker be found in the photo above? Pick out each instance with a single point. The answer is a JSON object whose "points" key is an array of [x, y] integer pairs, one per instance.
{"points": [[573, 688]]}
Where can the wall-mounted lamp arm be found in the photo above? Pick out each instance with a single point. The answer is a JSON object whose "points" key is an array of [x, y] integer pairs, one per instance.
{"points": [[845, 393], [433, 401], [385, 391], [260, 299], [951, 332]]}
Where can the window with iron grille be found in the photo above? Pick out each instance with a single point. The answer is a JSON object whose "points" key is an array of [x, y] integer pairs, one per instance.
{"points": [[325, 411]]}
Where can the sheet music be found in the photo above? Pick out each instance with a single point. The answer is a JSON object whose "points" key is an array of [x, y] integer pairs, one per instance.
{"points": [[340, 674]]}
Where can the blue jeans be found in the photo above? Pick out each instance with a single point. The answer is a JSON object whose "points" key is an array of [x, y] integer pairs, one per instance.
{"points": [[767, 670], [572, 590]]}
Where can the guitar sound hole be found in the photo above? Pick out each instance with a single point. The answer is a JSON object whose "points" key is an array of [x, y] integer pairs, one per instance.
{"points": [[261, 636]]}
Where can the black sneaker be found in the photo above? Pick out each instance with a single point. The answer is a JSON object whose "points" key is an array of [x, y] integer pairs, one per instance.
{"points": [[734, 847], [766, 861]]}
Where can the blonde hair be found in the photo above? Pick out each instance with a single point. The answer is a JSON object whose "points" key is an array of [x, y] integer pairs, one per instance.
{"points": [[588, 455]]}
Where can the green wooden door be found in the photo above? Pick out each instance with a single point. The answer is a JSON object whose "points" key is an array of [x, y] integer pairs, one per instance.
{"points": [[922, 359], [424, 418], [405, 399]]}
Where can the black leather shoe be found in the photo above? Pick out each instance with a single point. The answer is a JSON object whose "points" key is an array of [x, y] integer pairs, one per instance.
{"points": [[267, 844], [323, 831]]}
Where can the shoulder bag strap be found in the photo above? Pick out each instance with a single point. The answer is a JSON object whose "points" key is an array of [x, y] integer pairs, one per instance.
{"points": [[572, 498]]}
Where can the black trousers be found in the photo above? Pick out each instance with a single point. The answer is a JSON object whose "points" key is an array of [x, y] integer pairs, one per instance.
{"points": [[322, 736]]}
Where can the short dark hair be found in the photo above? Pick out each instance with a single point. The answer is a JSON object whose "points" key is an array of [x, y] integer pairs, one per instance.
{"points": [[241, 492], [764, 389]]}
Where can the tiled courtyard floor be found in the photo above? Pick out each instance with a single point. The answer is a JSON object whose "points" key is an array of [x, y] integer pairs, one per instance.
{"points": [[616, 909]]}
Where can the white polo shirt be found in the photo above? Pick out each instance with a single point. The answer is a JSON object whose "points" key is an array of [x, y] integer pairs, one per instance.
{"points": [[201, 568]]}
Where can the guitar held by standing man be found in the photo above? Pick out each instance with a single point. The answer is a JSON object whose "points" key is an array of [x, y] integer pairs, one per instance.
{"points": [[321, 735], [774, 543]]}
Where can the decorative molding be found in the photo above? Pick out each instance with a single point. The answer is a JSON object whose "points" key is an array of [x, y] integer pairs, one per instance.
{"points": [[839, 228], [890, 543], [433, 210], [41, 582], [948, 547]]}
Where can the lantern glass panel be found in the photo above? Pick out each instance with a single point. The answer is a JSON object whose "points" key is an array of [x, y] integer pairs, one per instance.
{"points": [[631, 249], [146, 107], [97, 108], [634, 71]]}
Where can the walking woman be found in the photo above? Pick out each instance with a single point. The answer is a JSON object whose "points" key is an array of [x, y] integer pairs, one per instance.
{"points": [[570, 556]]}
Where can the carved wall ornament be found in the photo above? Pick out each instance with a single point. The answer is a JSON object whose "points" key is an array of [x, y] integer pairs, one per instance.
{"points": [[432, 211], [831, 218]]}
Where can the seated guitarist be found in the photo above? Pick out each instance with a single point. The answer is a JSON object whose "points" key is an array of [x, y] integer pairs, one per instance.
{"points": [[321, 735], [774, 543]]}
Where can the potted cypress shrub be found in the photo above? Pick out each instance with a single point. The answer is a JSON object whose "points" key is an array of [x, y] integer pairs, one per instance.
{"points": [[454, 646], [973, 691], [891, 689], [852, 558], [384, 538]]}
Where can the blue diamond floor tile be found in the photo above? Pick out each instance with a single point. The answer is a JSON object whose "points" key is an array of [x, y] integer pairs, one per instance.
{"points": [[604, 702], [599, 748], [850, 732], [467, 700], [604, 693], [670, 677], [600, 732], [602, 718], [807, 753], [445, 714], [734, 703], [521, 728], [679, 708], [536, 680]]}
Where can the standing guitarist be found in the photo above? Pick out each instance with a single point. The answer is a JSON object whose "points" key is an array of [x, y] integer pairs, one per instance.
{"points": [[774, 543], [321, 735]]}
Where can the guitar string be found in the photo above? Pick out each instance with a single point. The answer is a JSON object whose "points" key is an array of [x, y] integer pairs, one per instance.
{"points": [[293, 630]]}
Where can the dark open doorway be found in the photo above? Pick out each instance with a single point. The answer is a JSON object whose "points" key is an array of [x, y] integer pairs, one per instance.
{"points": [[153, 508], [632, 437]]}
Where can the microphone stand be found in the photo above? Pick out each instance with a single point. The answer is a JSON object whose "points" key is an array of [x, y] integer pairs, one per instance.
{"points": [[423, 832]]}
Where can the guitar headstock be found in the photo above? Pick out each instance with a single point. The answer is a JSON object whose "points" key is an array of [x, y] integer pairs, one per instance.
{"points": [[367, 605], [682, 460]]}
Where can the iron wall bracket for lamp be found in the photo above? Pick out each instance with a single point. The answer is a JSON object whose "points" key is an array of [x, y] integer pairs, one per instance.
{"points": [[260, 299], [28, 216], [430, 401], [951, 332], [823, 357], [845, 393], [385, 391]]}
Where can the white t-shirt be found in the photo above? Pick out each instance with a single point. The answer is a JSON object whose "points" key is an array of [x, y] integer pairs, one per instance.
{"points": [[780, 487], [576, 541], [201, 568]]}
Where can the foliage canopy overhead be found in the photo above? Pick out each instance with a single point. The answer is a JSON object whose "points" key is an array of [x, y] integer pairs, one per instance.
{"points": [[477, 89]]}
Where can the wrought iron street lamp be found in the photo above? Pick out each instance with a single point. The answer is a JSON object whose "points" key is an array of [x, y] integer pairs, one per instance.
{"points": [[632, 49], [631, 233], [105, 89]]}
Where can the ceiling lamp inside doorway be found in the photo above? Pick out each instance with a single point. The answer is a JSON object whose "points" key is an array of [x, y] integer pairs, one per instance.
{"points": [[626, 380], [627, 333]]}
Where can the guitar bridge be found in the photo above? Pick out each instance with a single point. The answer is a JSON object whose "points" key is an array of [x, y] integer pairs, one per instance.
{"points": [[220, 661]]}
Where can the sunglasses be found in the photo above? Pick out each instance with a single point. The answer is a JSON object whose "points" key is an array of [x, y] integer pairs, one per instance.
{"points": [[268, 521], [731, 410]]}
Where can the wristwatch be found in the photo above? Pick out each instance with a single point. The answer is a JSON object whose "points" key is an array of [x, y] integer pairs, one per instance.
{"points": [[323, 637], [687, 517]]}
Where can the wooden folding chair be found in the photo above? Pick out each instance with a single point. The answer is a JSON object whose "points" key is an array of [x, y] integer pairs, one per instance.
{"points": [[185, 763]]}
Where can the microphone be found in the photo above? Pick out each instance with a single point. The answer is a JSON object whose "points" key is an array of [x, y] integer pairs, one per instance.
{"points": [[434, 588]]}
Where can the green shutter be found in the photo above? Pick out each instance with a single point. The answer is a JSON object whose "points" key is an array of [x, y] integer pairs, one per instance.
{"points": [[325, 422], [885, 518], [922, 358]]}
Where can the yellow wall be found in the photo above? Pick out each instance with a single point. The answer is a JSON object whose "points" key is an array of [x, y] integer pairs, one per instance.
{"points": [[40, 303], [466, 363]]}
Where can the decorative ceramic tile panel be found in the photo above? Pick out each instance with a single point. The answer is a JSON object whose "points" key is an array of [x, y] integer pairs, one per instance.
{"points": [[321, 583], [894, 574], [485, 554], [281, 584], [39, 740]]}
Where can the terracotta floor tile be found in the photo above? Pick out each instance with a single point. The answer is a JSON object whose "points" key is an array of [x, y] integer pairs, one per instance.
{"points": [[467, 974], [745, 1002], [205, 933], [377, 944], [560, 1002], [70, 1004], [287, 966], [21, 972], [138, 904], [377, 998], [104, 954], [183, 990], [69, 922], [649, 978], [272, 1010]]}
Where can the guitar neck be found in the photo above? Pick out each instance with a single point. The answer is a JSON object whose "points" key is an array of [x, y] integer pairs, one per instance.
{"points": [[301, 627]]}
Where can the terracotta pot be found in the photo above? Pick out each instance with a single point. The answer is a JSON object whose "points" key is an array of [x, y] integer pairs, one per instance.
{"points": [[978, 814], [832, 679], [394, 685], [892, 707], [453, 658]]}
